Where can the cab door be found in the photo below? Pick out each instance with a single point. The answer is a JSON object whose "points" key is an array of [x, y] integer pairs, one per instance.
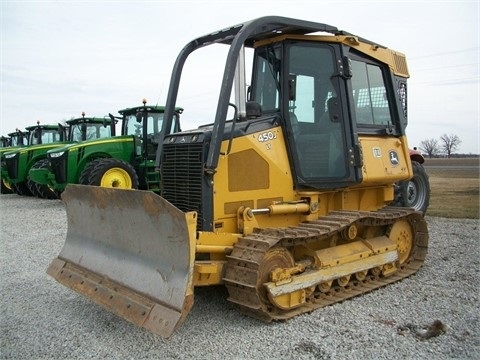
{"points": [[316, 117]]}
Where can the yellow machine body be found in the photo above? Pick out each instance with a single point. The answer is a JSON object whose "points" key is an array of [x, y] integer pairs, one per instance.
{"points": [[254, 203]]}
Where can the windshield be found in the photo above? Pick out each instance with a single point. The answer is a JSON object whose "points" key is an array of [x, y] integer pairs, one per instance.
{"points": [[14, 141], [17, 139], [89, 131], [44, 136], [134, 127]]}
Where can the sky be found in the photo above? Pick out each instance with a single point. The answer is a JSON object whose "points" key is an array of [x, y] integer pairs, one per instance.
{"points": [[59, 58]]}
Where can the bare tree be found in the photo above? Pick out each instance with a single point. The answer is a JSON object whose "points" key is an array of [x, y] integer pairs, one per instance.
{"points": [[430, 147], [450, 143]]}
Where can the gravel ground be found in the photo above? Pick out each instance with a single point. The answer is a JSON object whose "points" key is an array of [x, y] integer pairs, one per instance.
{"points": [[41, 319]]}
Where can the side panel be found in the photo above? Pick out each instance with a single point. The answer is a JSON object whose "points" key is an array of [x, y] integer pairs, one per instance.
{"points": [[256, 173], [384, 160]]}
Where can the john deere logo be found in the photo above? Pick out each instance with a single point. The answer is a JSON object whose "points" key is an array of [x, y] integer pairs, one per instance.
{"points": [[392, 154]]}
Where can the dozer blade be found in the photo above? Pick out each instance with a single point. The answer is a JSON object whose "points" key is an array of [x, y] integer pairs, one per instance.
{"points": [[130, 251]]}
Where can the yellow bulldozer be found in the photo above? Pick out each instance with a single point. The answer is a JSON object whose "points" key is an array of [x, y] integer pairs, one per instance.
{"points": [[283, 197]]}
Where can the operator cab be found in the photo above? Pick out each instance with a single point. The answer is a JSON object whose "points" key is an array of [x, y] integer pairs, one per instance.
{"points": [[314, 121], [328, 99]]}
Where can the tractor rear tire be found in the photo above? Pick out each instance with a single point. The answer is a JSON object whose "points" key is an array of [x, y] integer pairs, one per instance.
{"points": [[108, 172], [41, 190], [414, 193]]}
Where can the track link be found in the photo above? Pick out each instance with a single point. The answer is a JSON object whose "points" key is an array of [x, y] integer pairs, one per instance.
{"points": [[244, 263]]}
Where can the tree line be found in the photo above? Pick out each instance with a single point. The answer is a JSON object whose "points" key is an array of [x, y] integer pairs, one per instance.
{"points": [[447, 145]]}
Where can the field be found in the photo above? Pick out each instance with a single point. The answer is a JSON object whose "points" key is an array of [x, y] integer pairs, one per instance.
{"points": [[454, 187]]}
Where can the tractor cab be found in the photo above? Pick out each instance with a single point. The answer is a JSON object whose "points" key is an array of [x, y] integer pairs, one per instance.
{"points": [[19, 138], [46, 134], [145, 124], [89, 128]]}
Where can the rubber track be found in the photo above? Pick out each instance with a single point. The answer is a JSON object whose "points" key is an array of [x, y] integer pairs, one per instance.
{"points": [[244, 262]]}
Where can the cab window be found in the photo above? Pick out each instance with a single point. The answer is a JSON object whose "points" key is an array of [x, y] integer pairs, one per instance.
{"points": [[370, 95]]}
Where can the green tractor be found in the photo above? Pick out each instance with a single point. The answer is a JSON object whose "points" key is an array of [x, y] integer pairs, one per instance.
{"points": [[43, 138], [126, 161], [9, 143], [14, 139]]}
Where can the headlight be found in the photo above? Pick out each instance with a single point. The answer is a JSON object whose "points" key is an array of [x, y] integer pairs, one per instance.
{"points": [[9, 156], [56, 154]]}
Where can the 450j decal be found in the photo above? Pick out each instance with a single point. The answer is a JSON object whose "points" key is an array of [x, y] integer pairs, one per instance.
{"points": [[267, 136]]}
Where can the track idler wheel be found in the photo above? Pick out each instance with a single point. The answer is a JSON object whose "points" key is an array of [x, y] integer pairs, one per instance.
{"points": [[275, 258], [284, 270], [402, 233]]}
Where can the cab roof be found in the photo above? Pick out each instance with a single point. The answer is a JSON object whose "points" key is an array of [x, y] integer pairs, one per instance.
{"points": [[41, 126], [88, 120], [149, 108]]}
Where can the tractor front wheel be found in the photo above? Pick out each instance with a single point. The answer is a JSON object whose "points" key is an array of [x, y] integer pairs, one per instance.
{"points": [[108, 172], [41, 190]]}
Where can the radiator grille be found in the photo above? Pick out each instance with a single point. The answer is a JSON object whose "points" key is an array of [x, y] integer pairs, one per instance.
{"points": [[59, 168], [12, 167], [182, 177]]}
